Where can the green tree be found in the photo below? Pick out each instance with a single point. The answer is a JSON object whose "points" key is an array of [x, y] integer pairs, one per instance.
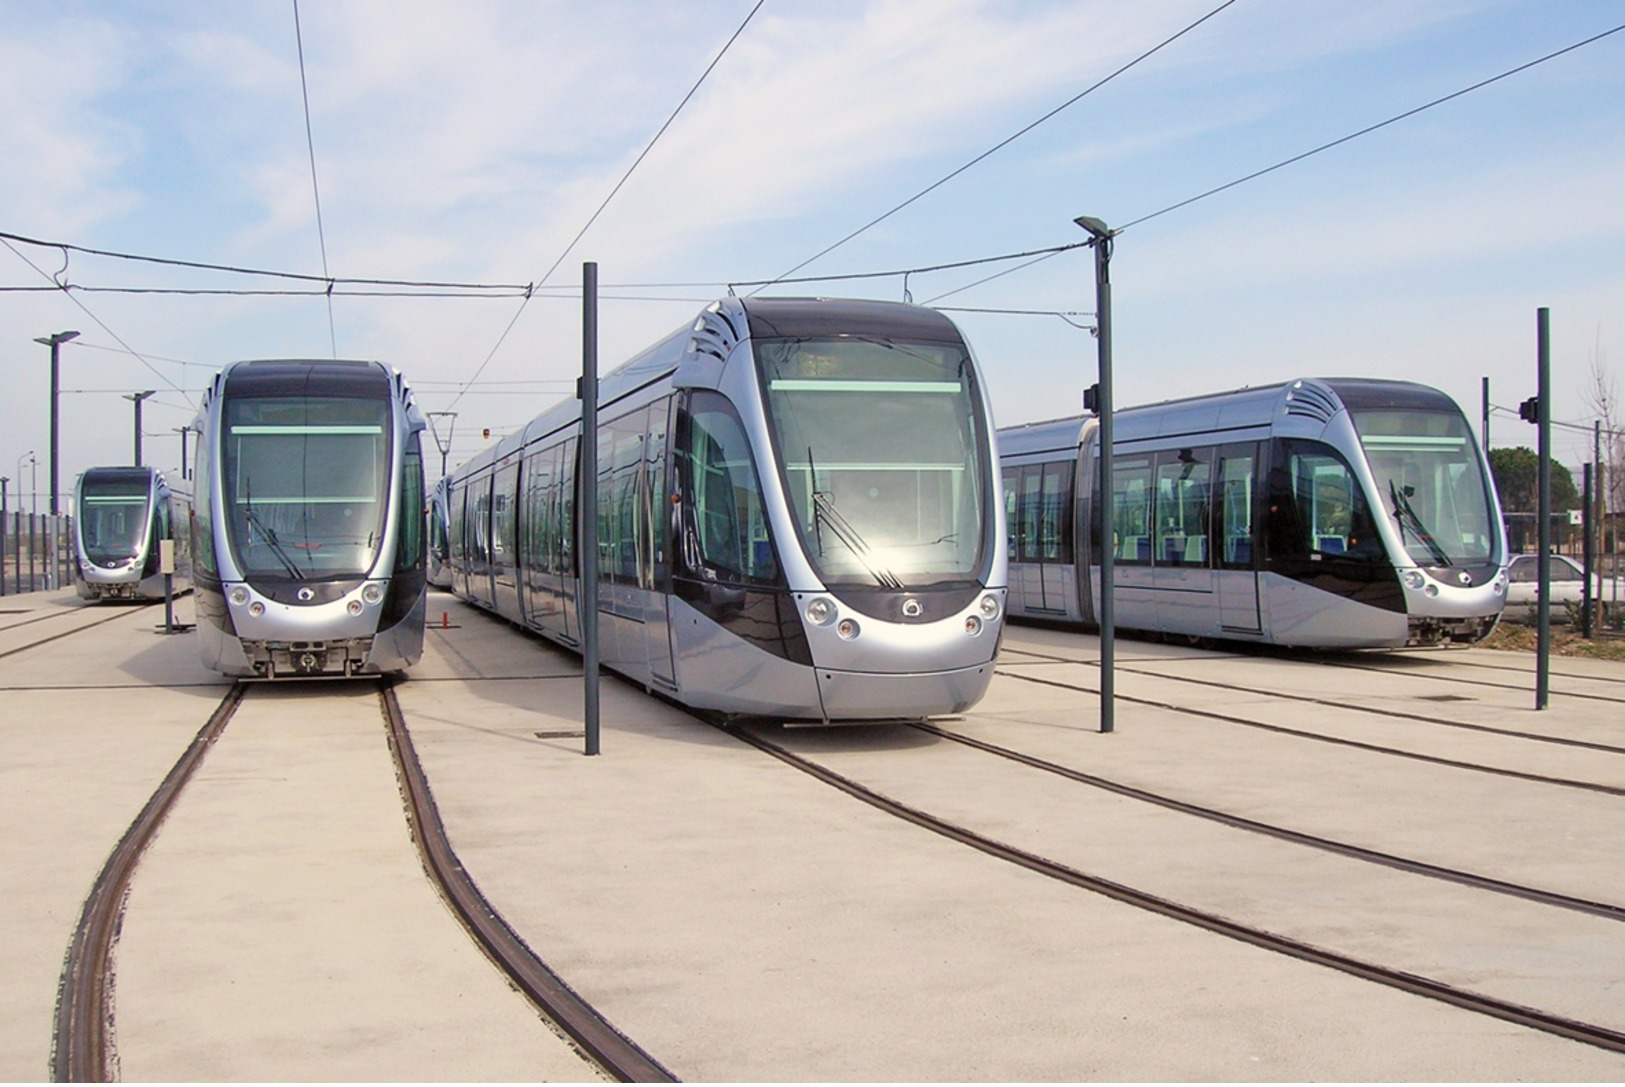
{"points": [[1517, 476]]}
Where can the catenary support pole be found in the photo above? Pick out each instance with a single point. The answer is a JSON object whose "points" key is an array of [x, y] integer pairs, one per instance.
{"points": [[1108, 566], [1543, 395], [1484, 430], [587, 482], [1586, 557]]}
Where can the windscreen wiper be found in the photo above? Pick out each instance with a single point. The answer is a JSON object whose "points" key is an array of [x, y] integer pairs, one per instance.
{"points": [[824, 509], [1406, 516], [269, 536]]}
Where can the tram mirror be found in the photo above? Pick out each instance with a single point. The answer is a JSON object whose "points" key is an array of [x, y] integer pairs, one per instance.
{"points": [[166, 556]]}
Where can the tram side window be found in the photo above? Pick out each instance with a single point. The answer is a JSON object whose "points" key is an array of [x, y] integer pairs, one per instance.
{"points": [[202, 514], [1237, 473], [1316, 506], [409, 549], [1183, 481], [1131, 509], [1012, 489], [725, 533]]}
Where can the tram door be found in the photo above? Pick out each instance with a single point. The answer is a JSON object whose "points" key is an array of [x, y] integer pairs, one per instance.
{"points": [[1235, 495]]}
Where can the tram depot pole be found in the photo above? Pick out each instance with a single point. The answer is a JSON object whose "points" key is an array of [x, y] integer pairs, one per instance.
{"points": [[588, 505], [1102, 245], [1543, 395]]}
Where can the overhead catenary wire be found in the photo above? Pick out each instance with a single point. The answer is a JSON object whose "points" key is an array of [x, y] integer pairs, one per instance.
{"points": [[315, 190], [618, 185], [410, 287], [99, 322], [1371, 128], [1001, 145]]}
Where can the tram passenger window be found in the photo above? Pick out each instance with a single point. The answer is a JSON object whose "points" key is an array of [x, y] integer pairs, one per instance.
{"points": [[1012, 488], [1031, 509], [409, 549], [1055, 521], [1183, 480], [1131, 508], [1235, 497]]}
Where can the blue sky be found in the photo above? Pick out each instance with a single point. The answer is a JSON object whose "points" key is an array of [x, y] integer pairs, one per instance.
{"points": [[471, 141]]}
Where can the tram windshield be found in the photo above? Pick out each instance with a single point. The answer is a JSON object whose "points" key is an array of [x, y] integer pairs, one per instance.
{"points": [[113, 518], [879, 445], [306, 484], [1430, 482]]}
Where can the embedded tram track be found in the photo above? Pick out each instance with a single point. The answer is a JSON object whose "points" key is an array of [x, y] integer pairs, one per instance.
{"points": [[82, 1047], [1359, 745], [1504, 1010], [617, 1054], [1606, 910], [80, 629], [1387, 712]]}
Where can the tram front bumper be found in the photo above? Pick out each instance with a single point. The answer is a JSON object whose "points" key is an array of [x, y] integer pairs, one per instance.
{"points": [[868, 696]]}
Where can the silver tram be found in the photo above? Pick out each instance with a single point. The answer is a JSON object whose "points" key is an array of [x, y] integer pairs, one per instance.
{"points": [[121, 517], [1344, 513], [798, 515], [308, 534]]}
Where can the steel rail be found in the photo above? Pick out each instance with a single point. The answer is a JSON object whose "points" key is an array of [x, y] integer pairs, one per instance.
{"points": [[80, 1052], [597, 1037], [1403, 715], [1575, 1030], [1240, 822], [1359, 745], [64, 634]]}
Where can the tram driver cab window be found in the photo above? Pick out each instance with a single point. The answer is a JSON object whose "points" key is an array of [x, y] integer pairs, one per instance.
{"points": [[1316, 507]]}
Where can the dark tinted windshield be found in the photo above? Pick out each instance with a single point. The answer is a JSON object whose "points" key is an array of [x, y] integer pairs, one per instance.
{"points": [[306, 483], [879, 443]]}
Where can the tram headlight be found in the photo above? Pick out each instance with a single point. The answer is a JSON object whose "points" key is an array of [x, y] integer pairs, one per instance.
{"points": [[847, 628], [239, 595], [372, 593], [1413, 579], [989, 607], [819, 611]]}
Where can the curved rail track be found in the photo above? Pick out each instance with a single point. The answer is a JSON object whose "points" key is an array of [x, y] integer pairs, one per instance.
{"points": [[112, 615], [1377, 711], [615, 1052], [81, 1047], [1607, 910], [1588, 1033], [80, 1050]]}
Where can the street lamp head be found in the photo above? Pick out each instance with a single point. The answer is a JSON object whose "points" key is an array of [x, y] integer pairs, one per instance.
{"points": [[1096, 227], [56, 338]]}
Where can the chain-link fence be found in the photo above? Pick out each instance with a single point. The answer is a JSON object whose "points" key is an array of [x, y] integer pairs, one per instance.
{"points": [[36, 552]]}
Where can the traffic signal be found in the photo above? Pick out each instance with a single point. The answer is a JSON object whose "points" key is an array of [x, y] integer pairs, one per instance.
{"points": [[1091, 399], [1529, 410]]}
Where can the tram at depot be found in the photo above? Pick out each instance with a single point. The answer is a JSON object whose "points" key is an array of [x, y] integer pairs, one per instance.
{"points": [[308, 533], [122, 517], [1324, 513], [798, 515]]}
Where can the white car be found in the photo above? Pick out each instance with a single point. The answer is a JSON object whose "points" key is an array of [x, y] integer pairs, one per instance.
{"points": [[1568, 587]]}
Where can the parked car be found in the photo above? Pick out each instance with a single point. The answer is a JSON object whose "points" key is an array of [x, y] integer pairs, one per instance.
{"points": [[1568, 587]]}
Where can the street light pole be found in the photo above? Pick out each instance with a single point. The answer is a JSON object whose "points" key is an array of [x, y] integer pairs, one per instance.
{"points": [[1102, 245], [54, 341], [136, 399]]}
